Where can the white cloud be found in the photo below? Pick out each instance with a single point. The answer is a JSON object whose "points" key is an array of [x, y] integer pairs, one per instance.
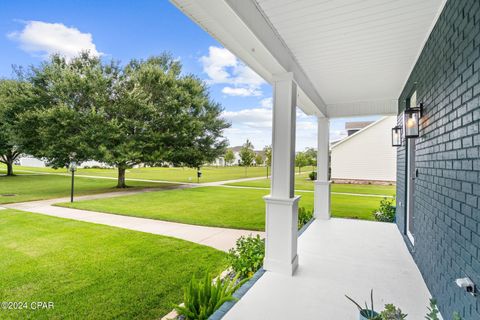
{"points": [[222, 67], [255, 124], [43, 38], [241, 92], [267, 103]]}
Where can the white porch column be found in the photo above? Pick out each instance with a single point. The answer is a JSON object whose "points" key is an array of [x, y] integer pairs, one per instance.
{"points": [[322, 184], [281, 204]]}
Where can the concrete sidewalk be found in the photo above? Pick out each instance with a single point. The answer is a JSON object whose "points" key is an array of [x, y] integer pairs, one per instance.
{"points": [[218, 238]]}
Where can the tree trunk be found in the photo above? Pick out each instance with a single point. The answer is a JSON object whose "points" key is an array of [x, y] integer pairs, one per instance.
{"points": [[10, 168], [121, 178]]}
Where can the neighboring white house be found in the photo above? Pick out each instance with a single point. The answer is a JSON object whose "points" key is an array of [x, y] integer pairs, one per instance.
{"points": [[220, 161], [367, 154], [29, 161]]}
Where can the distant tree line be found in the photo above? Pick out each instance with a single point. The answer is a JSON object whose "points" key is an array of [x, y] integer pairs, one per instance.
{"points": [[146, 111]]}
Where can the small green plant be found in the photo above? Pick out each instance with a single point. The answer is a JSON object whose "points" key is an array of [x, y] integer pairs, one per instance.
{"points": [[312, 175], [304, 216], [432, 311], [247, 256], [369, 311], [386, 211], [456, 316], [203, 296], [391, 312]]}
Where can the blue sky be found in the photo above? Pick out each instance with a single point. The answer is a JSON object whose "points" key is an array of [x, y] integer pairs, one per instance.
{"points": [[31, 30]]}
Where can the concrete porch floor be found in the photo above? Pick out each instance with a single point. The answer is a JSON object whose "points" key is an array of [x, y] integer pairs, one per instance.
{"points": [[339, 257]]}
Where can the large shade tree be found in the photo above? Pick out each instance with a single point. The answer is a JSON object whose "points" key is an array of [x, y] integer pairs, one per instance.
{"points": [[145, 112], [65, 121], [15, 97], [162, 116]]}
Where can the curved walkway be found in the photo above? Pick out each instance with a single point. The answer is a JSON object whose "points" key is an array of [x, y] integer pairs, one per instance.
{"points": [[218, 238]]}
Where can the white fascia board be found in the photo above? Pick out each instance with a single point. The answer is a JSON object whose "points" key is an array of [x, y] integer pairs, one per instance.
{"points": [[242, 28], [359, 132], [388, 107]]}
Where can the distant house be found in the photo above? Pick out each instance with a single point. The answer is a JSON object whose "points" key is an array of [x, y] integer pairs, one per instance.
{"points": [[366, 154], [30, 161], [220, 161]]}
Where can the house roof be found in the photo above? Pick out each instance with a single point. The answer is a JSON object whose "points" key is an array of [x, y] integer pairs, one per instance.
{"points": [[356, 134], [357, 125], [238, 148]]}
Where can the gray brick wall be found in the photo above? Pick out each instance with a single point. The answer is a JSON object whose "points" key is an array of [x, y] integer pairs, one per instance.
{"points": [[447, 216]]}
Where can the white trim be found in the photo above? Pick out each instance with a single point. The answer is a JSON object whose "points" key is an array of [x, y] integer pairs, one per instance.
{"points": [[410, 237], [363, 108], [358, 132], [242, 28]]}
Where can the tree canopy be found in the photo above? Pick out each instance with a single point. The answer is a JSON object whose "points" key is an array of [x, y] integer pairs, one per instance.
{"points": [[247, 155], [15, 96], [229, 157], [144, 112]]}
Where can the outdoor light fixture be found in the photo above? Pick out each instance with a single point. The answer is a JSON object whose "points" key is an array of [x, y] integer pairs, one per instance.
{"points": [[397, 136], [411, 121]]}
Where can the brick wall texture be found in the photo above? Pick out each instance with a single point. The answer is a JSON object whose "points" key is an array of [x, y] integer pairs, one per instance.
{"points": [[446, 207]]}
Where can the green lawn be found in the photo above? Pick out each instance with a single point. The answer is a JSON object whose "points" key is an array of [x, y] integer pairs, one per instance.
{"points": [[218, 206], [37, 187], [209, 174], [302, 182], [91, 271]]}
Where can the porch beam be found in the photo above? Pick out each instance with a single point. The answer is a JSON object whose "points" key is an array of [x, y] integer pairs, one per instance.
{"points": [[281, 204], [322, 184], [241, 26], [387, 107]]}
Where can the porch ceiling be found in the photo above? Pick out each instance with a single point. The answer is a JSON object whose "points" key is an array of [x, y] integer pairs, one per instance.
{"points": [[348, 57]]}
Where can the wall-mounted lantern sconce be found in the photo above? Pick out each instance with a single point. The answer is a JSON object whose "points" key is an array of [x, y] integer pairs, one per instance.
{"points": [[411, 121], [397, 136]]}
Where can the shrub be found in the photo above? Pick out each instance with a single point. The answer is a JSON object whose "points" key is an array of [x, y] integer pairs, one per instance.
{"points": [[304, 216], [386, 211], [312, 175], [391, 312], [247, 256], [203, 296], [432, 311]]}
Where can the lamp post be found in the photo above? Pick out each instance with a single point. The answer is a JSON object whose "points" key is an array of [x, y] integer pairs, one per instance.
{"points": [[72, 167], [199, 174]]}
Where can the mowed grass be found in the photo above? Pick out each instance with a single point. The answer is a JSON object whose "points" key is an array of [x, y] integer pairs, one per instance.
{"points": [[91, 271], [38, 187], [218, 206], [303, 182], [209, 174]]}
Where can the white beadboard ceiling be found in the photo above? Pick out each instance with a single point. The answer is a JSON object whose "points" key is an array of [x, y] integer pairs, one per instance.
{"points": [[353, 50], [348, 57]]}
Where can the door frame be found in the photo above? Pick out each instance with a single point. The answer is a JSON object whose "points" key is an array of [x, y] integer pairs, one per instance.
{"points": [[410, 176], [410, 190]]}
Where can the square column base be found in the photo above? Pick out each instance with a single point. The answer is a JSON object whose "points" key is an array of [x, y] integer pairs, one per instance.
{"points": [[282, 231], [322, 200]]}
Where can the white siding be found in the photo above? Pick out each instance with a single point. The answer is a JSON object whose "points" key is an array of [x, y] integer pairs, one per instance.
{"points": [[367, 154], [29, 161]]}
